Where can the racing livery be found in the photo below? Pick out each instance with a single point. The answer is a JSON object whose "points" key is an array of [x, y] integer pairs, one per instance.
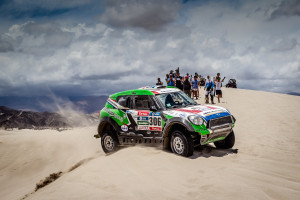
{"points": [[163, 115]]}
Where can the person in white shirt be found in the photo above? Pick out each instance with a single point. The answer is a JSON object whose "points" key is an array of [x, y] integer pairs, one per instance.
{"points": [[218, 87]]}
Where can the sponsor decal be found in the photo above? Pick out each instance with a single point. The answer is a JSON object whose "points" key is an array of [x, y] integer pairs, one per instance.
{"points": [[143, 127], [154, 114], [155, 128], [142, 118], [112, 114], [182, 115], [124, 128], [143, 113], [143, 123]]}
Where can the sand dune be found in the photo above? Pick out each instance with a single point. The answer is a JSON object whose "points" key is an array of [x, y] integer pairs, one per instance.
{"points": [[264, 163]]}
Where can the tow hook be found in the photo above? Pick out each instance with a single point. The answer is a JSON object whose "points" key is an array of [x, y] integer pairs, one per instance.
{"points": [[96, 136]]}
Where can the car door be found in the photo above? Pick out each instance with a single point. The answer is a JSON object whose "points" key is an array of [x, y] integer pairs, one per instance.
{"points": [[148, 122]]}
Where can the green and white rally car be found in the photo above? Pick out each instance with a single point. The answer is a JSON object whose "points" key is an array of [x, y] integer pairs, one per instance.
{"points": [[163, 115]]}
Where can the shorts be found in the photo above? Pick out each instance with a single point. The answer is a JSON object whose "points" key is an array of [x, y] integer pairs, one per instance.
{"points": [[218, 92], [195, 89]]}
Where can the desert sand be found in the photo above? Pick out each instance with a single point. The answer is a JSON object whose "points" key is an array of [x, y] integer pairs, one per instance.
{"points": [[264, 163]]}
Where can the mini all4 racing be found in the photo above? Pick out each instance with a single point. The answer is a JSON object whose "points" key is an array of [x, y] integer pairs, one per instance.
{"points": [[163, 115]]}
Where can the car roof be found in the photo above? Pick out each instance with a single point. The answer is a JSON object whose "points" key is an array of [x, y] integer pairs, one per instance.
{"points": [[147, 90], [161, 89]]}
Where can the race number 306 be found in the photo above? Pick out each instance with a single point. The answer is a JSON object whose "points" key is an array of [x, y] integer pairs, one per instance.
{"points": [[155, 121]]}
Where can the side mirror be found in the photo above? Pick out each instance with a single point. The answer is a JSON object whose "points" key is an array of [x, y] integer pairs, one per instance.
{"points": [[153, 108]]}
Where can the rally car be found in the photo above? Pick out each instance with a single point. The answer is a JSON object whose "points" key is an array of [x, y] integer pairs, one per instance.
{"points": [[164, 115]]}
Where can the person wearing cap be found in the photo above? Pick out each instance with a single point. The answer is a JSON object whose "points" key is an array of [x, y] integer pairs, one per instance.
{"points": [[172, 73], [209, 86], [159, 82], [171, 81], [187, 86]]}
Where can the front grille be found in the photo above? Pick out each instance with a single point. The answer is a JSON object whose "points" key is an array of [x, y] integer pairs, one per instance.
{"points": [[219, 121]]}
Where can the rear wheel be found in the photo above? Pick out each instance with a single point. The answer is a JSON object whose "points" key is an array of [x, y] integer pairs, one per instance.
{"points": [[109, 143], [181, 144], [227, 143]]}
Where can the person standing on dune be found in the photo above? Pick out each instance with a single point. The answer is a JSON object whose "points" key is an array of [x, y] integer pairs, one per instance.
{"points": [[218, 87], [178, 80], [209, 85], [195, 86], [171, 81], [187, 86]]}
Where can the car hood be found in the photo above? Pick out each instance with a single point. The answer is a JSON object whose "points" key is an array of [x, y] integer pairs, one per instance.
{"points": [[208, 112]]}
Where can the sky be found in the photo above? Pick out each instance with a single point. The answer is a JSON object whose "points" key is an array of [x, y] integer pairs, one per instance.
{"points": [[98, 47]]}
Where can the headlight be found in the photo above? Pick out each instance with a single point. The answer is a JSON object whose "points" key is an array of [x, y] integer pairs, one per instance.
{"points": [[197, 120]]}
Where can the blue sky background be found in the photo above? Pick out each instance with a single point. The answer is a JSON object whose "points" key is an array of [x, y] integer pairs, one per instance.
{"points": [[92, 47]]}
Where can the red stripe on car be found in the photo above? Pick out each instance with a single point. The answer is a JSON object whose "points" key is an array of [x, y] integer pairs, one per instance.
{"points": [[190, 111]]}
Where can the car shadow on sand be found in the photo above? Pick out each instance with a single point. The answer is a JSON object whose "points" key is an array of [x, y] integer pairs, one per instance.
{"points": [[209, 151]]}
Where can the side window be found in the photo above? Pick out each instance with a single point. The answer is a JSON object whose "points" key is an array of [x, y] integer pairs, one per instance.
{"points": [[142, 102], [124, 101]]}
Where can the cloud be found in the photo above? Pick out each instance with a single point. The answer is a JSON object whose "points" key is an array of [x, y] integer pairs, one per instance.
{"points": [[70, 58], [151, 15], [287, 8], [286, 45], [5, 45], [36, 38], [31, 8]]}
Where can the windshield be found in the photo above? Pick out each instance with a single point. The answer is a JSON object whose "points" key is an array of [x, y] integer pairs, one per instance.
{"points": [[175, 100]]}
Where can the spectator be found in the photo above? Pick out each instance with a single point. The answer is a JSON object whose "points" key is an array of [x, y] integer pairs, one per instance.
{"points": [[178, 80], [187, 86], [191, 78], [218, 75], [171, 81], [198, 78], [195, 85], [167, 77], [218, 87], [209, 85], [172, 73], [214, 89], [159, 83]]}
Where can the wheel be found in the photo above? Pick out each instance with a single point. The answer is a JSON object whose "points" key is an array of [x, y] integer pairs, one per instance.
{"points": [[227, 143], [181, 144], [109, 143]]}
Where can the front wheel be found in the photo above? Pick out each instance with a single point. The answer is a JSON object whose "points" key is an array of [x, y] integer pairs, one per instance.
{"points": [[227, 143], [109, 143], [181, 144]]}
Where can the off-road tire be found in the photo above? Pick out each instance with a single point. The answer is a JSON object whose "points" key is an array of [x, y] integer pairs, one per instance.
{"points": [[109, 142], [181, 144], [227, 143]]}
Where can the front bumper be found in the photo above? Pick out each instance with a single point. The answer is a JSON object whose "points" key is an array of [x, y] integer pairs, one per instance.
{"points": [[217, 133]]}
